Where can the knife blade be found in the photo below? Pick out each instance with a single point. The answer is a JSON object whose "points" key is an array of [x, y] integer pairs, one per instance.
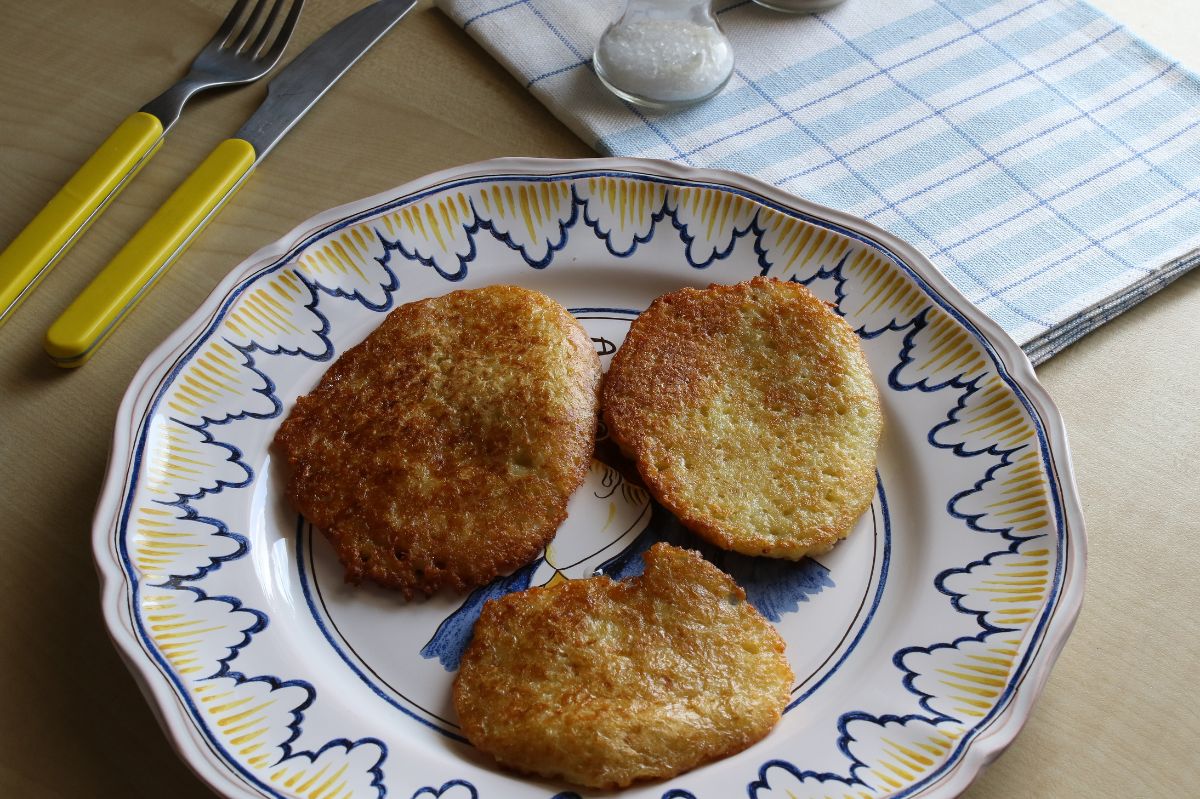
{"points": [[88, 321], [306, 79]]}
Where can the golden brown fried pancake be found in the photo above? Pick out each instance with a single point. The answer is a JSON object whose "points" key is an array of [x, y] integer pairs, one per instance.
{"points": [[441, 451], [604, 683], [751, 414]]}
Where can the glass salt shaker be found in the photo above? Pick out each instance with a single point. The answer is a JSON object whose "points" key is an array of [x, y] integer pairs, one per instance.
{"points": [[664, 54]]}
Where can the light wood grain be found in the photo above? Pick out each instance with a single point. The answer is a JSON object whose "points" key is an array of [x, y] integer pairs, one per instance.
{"points": [[1119, 715]]}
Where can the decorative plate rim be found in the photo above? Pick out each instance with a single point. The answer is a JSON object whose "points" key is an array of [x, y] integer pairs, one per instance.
{"points": [[984, 747]]}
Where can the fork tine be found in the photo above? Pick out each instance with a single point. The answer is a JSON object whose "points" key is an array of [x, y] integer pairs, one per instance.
{"points": [[285, 33], [227, 24], [257, 45], [249, 26]]}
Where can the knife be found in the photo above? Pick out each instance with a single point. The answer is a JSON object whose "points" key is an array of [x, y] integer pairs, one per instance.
{"points": [[90, 319]]}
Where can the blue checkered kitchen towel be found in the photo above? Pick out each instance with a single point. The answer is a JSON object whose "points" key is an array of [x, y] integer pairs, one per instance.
{"points": [[1045, 159]]}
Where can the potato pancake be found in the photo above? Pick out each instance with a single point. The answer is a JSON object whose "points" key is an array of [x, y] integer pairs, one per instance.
{"points": [[604, 683], [441, 451], [751, 414]]}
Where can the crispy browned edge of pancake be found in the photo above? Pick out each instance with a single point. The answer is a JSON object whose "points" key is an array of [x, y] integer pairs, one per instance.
{"points": [[628, 434]]}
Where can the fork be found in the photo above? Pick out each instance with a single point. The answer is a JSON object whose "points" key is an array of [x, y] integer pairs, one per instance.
{"points": [[240, 52]]}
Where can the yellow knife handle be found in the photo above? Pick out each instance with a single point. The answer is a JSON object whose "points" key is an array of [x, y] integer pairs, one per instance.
{"points": [[95, 313], [52, 232]]}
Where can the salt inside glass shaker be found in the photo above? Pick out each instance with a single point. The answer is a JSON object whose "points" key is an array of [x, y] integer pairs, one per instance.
{"points": [[664, 54]]}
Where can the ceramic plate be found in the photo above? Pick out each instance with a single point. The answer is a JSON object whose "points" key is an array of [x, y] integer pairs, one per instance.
{"points": [[919, 644]]}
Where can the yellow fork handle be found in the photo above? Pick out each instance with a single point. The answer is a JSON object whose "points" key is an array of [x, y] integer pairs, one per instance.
{"points": [[50, 235], [95, 313]]}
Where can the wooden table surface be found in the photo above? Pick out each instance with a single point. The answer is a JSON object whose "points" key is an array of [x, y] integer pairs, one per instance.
{"points": [[1120, 716]]}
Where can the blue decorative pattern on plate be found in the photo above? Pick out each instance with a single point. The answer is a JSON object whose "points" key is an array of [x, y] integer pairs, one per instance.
{"points": [[919, 644]]}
